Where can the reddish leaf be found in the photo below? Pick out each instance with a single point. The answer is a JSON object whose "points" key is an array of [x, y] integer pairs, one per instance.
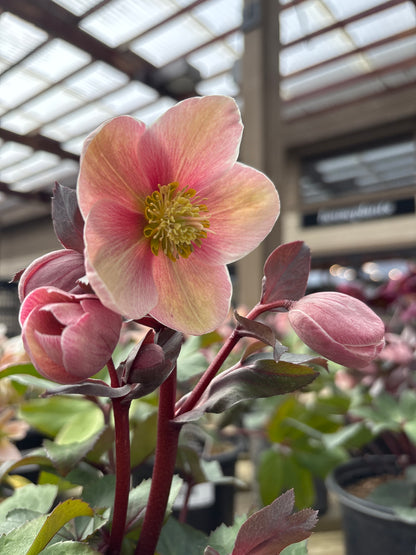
{"points": [[261, 378], [286, 273], [273, 528], [67, 219], [251, 328]]}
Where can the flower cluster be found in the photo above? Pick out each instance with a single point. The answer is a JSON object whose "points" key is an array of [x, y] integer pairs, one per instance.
{"points": [[165, 209]]}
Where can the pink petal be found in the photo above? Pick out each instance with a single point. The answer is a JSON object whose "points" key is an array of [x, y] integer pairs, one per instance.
{"points": [[51, 345], [88, 344], [110, 167], [39, 297], [43, 364], [194, 142], [119, 261], [194, 298], [66, 313], [243, 207], [60, 268]]}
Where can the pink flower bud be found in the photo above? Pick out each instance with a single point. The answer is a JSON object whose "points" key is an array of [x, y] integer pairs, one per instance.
{"points": [[62, 269], [339, 327], [68, 337]]}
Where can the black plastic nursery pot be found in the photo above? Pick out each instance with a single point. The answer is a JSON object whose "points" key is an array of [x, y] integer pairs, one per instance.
{"points": [[371, 529]]}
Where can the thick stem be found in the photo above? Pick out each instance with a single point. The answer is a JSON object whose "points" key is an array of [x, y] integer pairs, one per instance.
{"points": [[122, 449], [163, 470]]}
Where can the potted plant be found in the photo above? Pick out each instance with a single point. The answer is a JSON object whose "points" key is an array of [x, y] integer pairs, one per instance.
{"points": [[376, 487], [157, 215]]}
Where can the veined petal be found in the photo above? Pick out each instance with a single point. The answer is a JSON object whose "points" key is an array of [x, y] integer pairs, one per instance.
{"points": [[110, 167], [243, 206], [41, 360], [194, 142], [83, 357], [61, 269], [193, 298], [39, 297], [119, 261]]}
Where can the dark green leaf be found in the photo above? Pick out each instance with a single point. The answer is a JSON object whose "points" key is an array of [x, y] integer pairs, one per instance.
{"points": [[264, 378]]}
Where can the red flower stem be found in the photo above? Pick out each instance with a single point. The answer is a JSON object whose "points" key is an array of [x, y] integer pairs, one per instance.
{"points": [[222, 355], [163, 470], [122, 449]]}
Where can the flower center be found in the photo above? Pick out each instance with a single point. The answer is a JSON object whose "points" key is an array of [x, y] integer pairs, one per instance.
{"points": [[176, 222]]}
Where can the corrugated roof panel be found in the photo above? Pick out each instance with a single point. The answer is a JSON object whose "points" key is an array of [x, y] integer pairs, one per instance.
{"points": [[383, 24], [77, 7], [122, 20], [56, 59], [13, 153], [171, 40], [18, 38]]}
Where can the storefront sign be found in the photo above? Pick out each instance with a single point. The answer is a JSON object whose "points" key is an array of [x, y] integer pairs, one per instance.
{"points": [[363, 211]]}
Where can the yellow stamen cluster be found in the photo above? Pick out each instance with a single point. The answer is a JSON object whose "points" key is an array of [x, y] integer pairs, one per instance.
{"points": [[176, 223]]}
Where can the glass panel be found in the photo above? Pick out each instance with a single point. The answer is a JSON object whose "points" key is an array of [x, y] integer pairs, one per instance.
{"points": [[382, 167]]}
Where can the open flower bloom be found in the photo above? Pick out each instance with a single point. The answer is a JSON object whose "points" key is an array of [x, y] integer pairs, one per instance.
{"points": [[339, 327], [69, 338], [166, 208]]}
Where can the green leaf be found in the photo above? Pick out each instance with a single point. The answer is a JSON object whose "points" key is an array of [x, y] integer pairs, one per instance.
{"points": [[223, 538], [270, 475], [99, 493], [35, 498], [62, 514], [66, 456], [279, 472], [19, 540], [178, 539], [8, 466], [50, 415], [407, 514], [191, 361], [16, 518], [81, 426], [296, 549], [143, 441], [14, 369], [138, 500], [395, 492], [69, 548]]}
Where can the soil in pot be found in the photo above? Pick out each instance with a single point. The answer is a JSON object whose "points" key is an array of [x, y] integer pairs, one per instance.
{"points": [[371, 528]]}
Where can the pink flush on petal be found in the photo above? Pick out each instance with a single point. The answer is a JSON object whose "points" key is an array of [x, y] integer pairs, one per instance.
{"points": [[166, 208]]}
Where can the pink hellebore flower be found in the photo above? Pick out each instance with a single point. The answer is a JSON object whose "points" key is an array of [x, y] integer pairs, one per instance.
{"points": [[166, 208], [339, 327], [69, 338]]}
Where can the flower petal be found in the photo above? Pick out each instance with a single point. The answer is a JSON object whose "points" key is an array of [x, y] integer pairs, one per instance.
{"points": [[194, 142], [110, 167], [243, 206], [61, 269], [83, 354], [119, 261], [193, 298]]}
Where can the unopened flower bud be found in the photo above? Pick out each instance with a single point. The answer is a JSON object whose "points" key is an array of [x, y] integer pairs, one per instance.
{"points": [[339, 327], [69, 338]]}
